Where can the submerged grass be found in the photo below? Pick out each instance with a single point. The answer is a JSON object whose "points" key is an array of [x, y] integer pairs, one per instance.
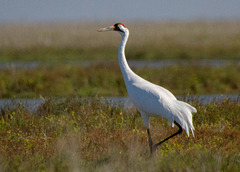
{"points": [[77, 135], [107, 80]]}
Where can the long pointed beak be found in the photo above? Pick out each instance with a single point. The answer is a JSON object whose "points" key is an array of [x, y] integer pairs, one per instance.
{"points": [[109, 28]]}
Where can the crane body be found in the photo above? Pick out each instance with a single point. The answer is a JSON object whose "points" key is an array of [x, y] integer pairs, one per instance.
{"points": [[150, 99]]}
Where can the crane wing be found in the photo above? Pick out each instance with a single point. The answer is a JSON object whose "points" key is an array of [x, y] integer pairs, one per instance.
{"points": [[156, 101]]}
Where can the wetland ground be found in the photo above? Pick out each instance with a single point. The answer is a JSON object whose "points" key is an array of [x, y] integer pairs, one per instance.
{"points": [[82, 135]]}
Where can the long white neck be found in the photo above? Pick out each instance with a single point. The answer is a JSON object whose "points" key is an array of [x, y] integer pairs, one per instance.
{"points": [[126, 71]]}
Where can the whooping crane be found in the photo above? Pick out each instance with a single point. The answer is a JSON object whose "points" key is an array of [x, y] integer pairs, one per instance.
{"points": [[152, 100]]}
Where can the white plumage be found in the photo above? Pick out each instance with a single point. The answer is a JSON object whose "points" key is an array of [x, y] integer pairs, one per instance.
{"points": [[150, 99]]}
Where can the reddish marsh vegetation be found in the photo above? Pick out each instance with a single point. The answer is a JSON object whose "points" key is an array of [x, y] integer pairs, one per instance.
{"points": [[83, 135]]}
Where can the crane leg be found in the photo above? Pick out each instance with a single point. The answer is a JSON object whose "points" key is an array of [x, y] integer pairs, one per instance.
{"points": [[154, 147], [150, 140]]}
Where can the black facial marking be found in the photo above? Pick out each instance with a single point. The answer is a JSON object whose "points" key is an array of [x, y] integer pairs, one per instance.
{"points": [[116, 28]]}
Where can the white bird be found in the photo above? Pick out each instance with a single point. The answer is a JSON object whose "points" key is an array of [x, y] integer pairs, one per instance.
{"points": [[150, 99]]}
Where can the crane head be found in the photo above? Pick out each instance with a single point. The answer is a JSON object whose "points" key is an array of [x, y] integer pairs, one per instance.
{"points": [[116, 27]]}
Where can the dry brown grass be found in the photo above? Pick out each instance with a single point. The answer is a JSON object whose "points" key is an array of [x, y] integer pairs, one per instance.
{"points": [[199, 33], [81, 41]]}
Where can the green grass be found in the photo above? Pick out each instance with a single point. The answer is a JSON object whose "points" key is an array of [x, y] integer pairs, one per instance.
{"points": [[167, 40], [76, 135], [100, 80]]}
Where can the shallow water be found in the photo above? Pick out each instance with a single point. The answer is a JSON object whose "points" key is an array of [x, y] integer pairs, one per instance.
{"points": [[169, 63], [33, 104], [132, 63], [20, 65]]}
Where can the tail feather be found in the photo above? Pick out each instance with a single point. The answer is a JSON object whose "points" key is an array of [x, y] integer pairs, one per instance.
{"points": [[191, 108], [192, 131], [183, 116]]}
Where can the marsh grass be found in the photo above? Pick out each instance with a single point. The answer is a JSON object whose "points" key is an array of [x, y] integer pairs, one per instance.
{"points": [[107, 80], [77, 135], [166, 40]]}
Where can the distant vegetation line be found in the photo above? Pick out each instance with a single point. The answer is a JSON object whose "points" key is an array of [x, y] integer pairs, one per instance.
{"points": [[164, 40]]}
